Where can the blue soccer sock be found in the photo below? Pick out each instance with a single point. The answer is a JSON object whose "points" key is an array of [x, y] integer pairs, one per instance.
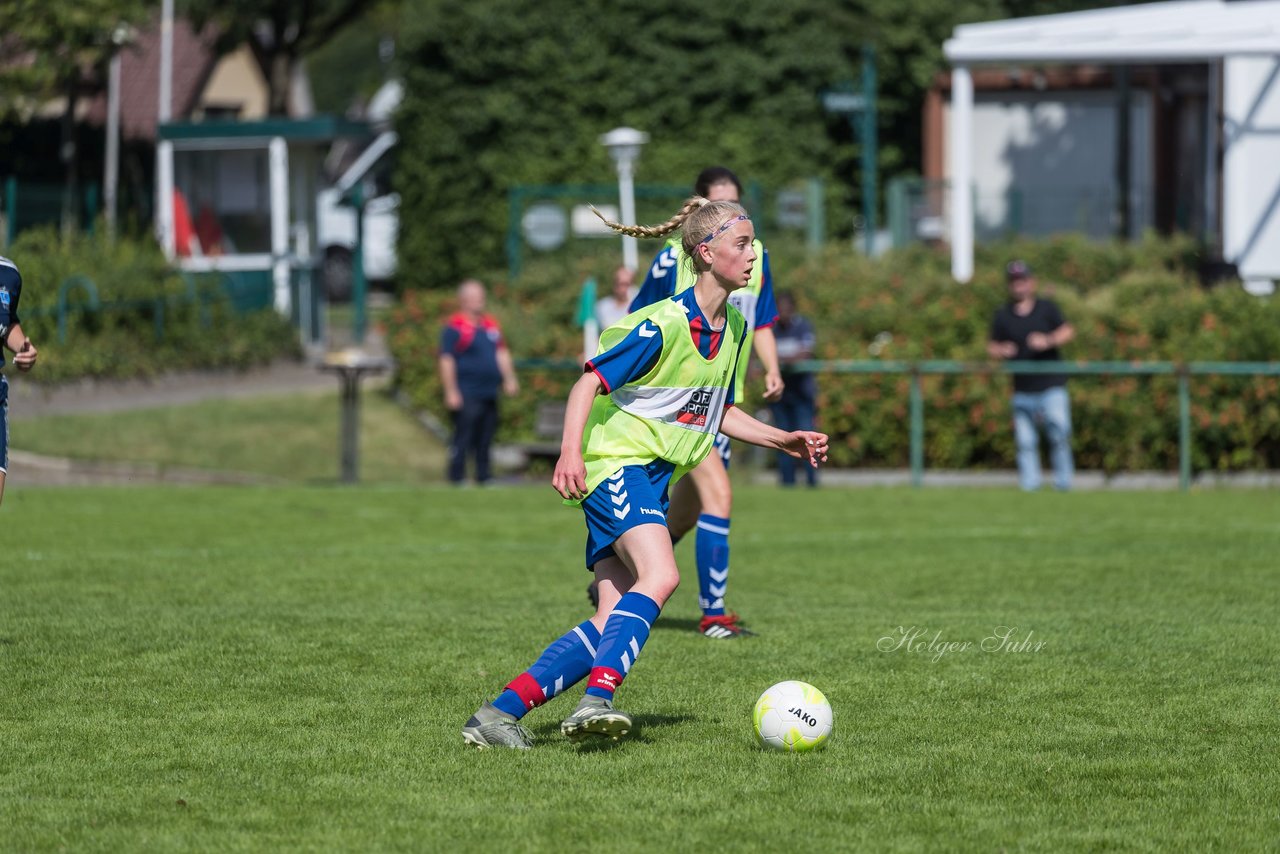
{"points": [[624, 635], [712, 549], [562, 665]]}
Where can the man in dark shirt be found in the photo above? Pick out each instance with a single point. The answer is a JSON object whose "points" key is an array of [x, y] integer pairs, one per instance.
{"points": [[474, 363], [795, 409], [1031, 329]]}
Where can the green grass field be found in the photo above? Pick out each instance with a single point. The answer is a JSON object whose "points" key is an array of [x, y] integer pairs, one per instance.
{"points": [[292, 438], [288, 669]]}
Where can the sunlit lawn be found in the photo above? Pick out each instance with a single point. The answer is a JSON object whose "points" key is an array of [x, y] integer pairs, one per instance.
{"points": [[289, 668]]}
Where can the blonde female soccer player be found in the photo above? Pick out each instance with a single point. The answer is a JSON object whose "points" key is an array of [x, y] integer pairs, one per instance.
{"points": [[704, 500], [645, 412]]}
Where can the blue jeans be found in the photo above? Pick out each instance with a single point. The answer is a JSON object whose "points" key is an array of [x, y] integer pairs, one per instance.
{"points": [[1050, 409], [795, 413]]}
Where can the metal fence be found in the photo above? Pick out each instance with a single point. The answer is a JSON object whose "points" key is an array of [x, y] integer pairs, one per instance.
{"points": [[29, 204], [242, 291], [1183, 371]]}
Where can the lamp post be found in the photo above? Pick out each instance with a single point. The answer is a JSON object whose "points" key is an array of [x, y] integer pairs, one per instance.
{"points": [[624, 147], [120, 36], [164, 147]]}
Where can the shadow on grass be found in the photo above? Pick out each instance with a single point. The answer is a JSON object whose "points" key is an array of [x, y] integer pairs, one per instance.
{"points": [[642, 724], [679, 624]]}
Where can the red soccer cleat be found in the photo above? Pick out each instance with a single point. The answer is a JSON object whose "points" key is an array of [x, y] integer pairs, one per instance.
{"points": [[723, 627]]}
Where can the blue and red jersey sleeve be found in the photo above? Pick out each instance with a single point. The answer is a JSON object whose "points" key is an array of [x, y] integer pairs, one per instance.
{"points": [[10, 293], [660, 281], [629, 359], [766, 306]]}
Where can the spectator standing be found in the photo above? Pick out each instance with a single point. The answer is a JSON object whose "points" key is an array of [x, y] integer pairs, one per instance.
{"points": [[474, 364], [796, 408], [1027, 328], [617, 305]]}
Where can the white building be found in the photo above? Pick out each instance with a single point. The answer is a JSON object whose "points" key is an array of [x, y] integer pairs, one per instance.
{"points": [[1177, 102]]}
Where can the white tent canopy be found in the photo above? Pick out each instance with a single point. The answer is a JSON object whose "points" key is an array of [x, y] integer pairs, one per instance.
{"points": [[1186, 31], [1240, 41]]}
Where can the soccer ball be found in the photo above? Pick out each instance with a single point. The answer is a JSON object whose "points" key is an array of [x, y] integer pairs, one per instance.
{"points": [[792, 716]]}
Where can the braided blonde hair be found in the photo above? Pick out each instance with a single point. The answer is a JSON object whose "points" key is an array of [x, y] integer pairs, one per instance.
{"points": [[697, 218]]}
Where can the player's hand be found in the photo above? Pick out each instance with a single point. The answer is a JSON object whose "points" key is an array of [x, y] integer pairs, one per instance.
{"points": [[773, 386], [570, 477], [511, 387], [25, 358], [452, 400], [1006, 349], [807, 445], [1038, 341]]}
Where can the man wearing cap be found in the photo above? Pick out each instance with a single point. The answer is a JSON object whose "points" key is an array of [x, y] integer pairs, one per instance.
{"points": [[1031, 329]]}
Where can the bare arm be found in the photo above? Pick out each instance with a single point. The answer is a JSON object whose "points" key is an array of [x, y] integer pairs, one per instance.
{"points": [[802, 444], [570, 477], [510, 384], [1002, 349], [25, 352], [766, 347], [449, 379], [1040, 341]]}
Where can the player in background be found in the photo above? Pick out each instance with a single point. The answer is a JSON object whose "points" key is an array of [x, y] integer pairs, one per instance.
{"points": [[646, 411], [706, 498], [13, 338]]}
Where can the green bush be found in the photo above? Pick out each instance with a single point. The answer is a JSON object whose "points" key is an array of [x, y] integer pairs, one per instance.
{"points": [[1128, 302], [150, 320]]}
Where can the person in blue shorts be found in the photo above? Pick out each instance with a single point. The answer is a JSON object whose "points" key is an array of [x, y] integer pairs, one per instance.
{"points": [[24, 352], [705, 499], [645, 412]]}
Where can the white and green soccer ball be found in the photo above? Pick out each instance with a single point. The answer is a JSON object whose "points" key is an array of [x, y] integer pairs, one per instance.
{"points": [[792, 716]]}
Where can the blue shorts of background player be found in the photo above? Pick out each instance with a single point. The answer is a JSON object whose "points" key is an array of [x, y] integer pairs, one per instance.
{"points": [[4, 424], [633, 495]]}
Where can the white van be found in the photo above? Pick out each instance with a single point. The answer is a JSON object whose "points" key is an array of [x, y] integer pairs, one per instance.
{"points": [[336, 231], [336, 222]]}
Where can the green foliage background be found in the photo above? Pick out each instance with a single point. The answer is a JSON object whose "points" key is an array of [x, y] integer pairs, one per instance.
{"points": [[133, 282], [502, 93], [1127, 301]]}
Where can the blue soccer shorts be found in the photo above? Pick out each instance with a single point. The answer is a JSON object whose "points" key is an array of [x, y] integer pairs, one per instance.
{"points": [[633, 495], [4, 424], [723, 449]]}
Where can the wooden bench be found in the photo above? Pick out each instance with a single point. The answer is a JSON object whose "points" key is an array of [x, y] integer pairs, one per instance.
{"points": [[548, 425]]}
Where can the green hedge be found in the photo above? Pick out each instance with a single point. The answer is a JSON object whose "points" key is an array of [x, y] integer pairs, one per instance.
{"points": [[1136, 301], [197, 327]]}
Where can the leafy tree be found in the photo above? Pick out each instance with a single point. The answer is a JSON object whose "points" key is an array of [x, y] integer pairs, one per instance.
{"points": [[358, 60], [503, 92], [281, 31], [60, 48]]}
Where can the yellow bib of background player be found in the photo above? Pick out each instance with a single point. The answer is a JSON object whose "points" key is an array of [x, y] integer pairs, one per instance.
{"points": [[671, 413], [743, 299]]}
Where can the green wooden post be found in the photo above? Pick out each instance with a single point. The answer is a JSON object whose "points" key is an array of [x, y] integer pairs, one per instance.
{"points": [[359, 286], [869, 145], [1184, 428], [10, 209], [91, 207], [515, 210], [817, 219], [64, 306], [917, 429]]}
